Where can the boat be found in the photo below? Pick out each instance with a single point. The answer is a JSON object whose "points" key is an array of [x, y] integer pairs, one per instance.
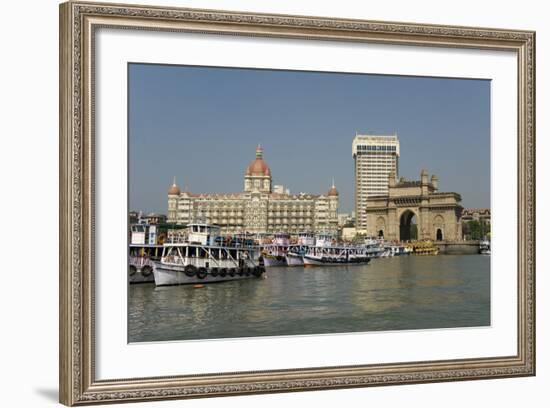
{"points": [[326, 252], [485, 247], [274, 253], [426, 247], [385, 248], [337, 256], [205, 258], [295, 253], [377, 247], [144, 249], [397, 250]]}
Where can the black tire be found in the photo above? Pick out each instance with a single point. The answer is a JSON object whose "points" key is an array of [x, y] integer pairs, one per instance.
{"points": [[223, 272], [240, 272], [146, 270], [214, 272], [132, 270], [231, 272], [201, 273], [190, 270], [246, 271]]}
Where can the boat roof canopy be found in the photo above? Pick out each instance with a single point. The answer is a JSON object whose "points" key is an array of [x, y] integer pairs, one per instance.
{"points": [[202, 227]]}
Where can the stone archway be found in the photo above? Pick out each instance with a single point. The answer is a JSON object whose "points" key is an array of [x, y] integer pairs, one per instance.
{"points": [[380, 226], [407, 226], [414, 200], [439, 228]]}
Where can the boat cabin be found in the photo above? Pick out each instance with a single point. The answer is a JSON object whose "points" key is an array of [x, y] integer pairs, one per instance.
{"points": [[143, 234], [281, 239], [306, 238], [204, 234], [323, 240]]}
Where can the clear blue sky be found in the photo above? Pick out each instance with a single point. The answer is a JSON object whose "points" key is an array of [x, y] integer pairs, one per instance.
{"points": [[202, 125]]}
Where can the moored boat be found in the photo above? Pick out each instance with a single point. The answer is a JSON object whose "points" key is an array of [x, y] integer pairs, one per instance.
{"points": [[326, 252], [274, 253], [377, 247], [204, 258], [337, 256], [485, 247], [294, 257], [144, 249], [424, 248], [295, 253]]}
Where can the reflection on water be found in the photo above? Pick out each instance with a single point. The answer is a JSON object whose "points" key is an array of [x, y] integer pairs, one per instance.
{"points": [[408, 292]]}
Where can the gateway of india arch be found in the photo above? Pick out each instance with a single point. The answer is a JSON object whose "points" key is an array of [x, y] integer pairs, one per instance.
{"points": [[438, 214]]}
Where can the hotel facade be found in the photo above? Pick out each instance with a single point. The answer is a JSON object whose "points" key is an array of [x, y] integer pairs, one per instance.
{"points": [[376, 157], [258, 208]]}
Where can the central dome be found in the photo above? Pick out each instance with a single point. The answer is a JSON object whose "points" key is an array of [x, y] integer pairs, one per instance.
{"points": [[258, 167], [333, 192], [174, 189]]}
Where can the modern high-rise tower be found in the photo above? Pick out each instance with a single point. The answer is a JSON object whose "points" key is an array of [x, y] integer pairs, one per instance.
{"points": [[376, 157]]}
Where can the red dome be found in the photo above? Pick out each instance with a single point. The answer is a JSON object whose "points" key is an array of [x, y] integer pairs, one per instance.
{"points": [[174, 190], [258, 167], [333, 192]]}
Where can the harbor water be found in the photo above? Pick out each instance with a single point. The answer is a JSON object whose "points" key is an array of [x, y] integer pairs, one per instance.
{"points": [[399, 293]]}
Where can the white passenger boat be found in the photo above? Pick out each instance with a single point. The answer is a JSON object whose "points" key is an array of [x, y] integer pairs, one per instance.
{"points": [[274, 253], [144, 249], [337, 256], [295, 253], [141, 262], [485, 247], [397, 250], [377, 247], [204, 258], [327, 253]]}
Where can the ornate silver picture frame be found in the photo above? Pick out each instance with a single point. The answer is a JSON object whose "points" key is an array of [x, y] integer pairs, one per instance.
{"points": [[78, 24]]}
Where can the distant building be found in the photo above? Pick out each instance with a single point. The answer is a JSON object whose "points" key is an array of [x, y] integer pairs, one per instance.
{"points": [[134, 217], [259, 208], [477, 214], [376, 157], [280, 189], [345, 219], [349, 233]]}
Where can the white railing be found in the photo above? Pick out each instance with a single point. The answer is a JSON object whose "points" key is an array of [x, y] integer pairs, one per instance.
{"points": [[140, 261]]}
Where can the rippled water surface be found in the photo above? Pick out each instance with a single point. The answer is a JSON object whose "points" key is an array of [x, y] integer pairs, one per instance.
{"points": [[408, 292]]}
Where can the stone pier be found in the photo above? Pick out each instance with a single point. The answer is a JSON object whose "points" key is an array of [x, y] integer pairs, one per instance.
{"points": [[458, 247]]}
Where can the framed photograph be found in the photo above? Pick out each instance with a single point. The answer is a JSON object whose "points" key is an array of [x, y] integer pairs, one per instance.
{"points": [[255, 203]]}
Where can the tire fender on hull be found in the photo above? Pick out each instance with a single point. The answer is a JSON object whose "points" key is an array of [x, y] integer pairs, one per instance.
{"points": [[146, 270], [202, 272], [190, 270]]}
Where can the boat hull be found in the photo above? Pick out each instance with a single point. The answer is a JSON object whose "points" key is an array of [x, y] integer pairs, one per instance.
{"points": [[168, 275], [294, 260], [141, 276], [310, 261], [274, 261], [140, 270]]}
